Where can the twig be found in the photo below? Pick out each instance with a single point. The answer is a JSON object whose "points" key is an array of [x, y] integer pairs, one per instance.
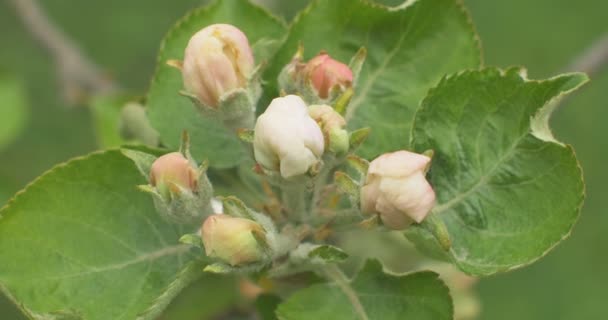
{"points": [[593, 59], [78, 75]]}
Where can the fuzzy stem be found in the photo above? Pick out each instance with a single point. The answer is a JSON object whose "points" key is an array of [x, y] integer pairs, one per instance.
{"points": [[321, 183], [294, 199]]}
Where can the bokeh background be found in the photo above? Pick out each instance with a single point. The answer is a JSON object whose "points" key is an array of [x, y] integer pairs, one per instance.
{"points": [[123, 38]]}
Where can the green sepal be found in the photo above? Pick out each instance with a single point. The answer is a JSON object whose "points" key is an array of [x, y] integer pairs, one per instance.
{"points": [[347, 185], [193, 239], [357, 138]]}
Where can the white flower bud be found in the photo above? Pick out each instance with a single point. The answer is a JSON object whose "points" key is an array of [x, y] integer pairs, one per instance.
{"points": [[218, 59], [231, 239], [286, 138], [396, 189]]}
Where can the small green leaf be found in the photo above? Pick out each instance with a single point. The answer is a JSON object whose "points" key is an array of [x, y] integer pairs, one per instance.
{"points": [[371, 295], [507, 192], [408, 50], [328, 253], [358, 137], [347, 185], [13, 109], [193, 239], [233, 206], [171, 113], [83, 238], [218, 268], [359, 164]]}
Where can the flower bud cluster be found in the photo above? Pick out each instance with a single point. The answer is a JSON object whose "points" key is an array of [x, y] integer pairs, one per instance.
{"points": [[299, 135]]}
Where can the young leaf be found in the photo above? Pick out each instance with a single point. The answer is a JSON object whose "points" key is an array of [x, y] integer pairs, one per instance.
{"points": [[408, 50], [171, 113], [83, 238], [372, 295], [507, 192], [328, 254]]}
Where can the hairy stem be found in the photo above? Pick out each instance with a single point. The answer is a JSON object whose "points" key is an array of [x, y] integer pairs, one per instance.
{"points": [[321, 183], [294, 199]]}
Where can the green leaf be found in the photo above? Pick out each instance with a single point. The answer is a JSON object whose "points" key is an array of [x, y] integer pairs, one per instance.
{"points": [[266, 304], [83, 239], [205, 298], [373, 295], [507, 192], [13, 110], [409, 50], [171, 113]]}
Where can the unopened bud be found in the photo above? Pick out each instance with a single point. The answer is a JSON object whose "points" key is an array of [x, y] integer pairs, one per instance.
{"points": [[286, 138], [182, 192], [232, 239], [396, 189], [328, 75], [134, 124], [322, 80], [332, 124], [173, 169], [218, 59]]}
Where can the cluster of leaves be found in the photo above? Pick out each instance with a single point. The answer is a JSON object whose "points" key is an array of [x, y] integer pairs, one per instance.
{"points": [[82, 242]]}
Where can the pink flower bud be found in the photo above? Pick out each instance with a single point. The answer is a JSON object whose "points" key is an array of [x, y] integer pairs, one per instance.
{"points": [[218, 59], [173, 168], [396, 189], [231, 239], [327, 74]]}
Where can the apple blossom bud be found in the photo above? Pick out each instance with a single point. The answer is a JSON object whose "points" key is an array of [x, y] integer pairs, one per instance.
{"points": [[218, 59], [232, 239], [332, 124], [327, 75], [181, 191], [173, 169], [286, 138], [396, 189]]}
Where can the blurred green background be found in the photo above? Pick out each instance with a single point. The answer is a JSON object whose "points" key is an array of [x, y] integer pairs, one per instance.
{"points": [[543, 35]]}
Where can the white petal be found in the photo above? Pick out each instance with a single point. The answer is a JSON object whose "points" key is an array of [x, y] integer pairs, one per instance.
{"points": [[398, 164]]}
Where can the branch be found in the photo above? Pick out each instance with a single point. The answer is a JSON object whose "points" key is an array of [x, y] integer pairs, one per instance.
{"points": [[78, 75], [593, 59]]}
